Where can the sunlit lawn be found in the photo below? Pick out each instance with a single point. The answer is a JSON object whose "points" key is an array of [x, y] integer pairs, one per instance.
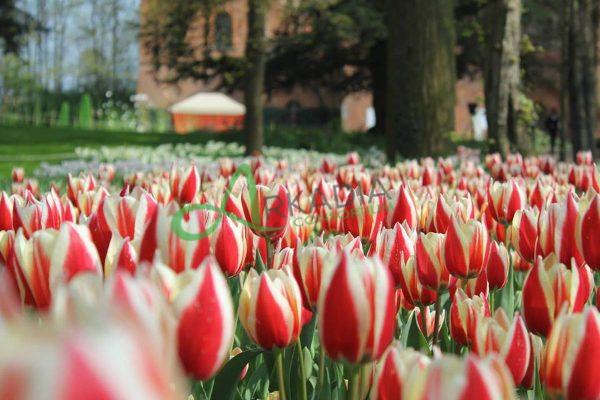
{"points": [[28, 146]]}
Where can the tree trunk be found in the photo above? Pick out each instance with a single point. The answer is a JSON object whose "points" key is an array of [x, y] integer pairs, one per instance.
{"points": [[378, 76], [255, 76], [576, 112], [502, 75], [421, 76], [588, 13], [581, 61], [564, 79]]}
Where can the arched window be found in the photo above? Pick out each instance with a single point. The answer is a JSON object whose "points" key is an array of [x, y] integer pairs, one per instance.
{"points": [[223, 31]]}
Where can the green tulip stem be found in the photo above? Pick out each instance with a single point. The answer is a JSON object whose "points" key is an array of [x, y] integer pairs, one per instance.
{"points": [[270, 253], [302, 371], [353, 384], [422, 310], [321, 369], [280, 378], [436, 323]]}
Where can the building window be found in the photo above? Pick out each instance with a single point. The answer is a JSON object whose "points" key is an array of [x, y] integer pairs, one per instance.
{"points": [[223, 31]]}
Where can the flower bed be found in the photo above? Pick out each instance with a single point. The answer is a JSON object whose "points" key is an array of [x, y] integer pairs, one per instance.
{"points": [[153, 274]]}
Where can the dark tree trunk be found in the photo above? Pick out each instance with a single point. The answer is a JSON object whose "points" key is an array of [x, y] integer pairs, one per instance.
{"points": [[581, 24], [564, 79], [378, 76], [421, 76], [255, 76], [576, 110], [502, 75], [589, 14]]}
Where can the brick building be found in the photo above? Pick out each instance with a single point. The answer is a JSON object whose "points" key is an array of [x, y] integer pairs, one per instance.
{"points": [[228, 31]]}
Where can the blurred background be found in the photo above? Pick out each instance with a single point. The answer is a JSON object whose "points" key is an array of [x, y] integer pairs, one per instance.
{"points": [[409, 78]]}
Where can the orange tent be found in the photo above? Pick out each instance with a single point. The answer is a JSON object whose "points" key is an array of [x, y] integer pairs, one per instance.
{"points": [[210, 111]]}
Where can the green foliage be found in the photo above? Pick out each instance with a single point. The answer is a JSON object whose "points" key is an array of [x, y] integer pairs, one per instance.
{"points": [[14, 24], [64, 115], [86, 118], [227, 380], [37, 111], [341, 33], [162, 120]]}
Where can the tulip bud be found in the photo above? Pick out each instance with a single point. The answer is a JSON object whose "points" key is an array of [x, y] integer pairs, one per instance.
{"points": [[584, 157], [465, 314], [73, 253], [79, 184], [268, 211], [505, 199], [282, 257], [426, 321], [548, 287], [52, 210], [138, 300], [356, 309], [352, 158], [205, 321], [129, 215], [510, 340], [121, 255], [33, 261], [588, 230], [471, 377], [571, 355], [6, 212], [497, 266], [539, 194], [466, 248], [412, 288], [446, 207], [393, 369], [7, 239], [229, 246], [308, 269], [17, 175], [519, 264], [346, 242], [431, 267], [271, 308], [557, 231], [29, 214], [299, 229], [363, 216], [108, 359], [472, 287], [395, 246], [535, 361], [100, 232], [175, 250], [185, 185], [403, 209], [524, 232], [427, 218]]}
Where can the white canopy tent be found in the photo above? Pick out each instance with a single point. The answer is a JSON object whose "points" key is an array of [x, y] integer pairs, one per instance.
{"points": [[208, 103]]}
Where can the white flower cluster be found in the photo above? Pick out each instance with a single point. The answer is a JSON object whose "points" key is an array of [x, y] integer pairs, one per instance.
{"points": [[124, 159]]}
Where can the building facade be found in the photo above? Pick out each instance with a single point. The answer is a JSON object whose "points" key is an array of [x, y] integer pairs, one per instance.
{"points": [[228, 31]]}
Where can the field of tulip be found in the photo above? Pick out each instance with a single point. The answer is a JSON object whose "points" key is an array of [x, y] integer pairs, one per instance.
{"points": [[301, 276]]}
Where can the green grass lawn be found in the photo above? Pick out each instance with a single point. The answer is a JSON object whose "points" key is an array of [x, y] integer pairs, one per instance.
{"points": [[26, 146]]}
